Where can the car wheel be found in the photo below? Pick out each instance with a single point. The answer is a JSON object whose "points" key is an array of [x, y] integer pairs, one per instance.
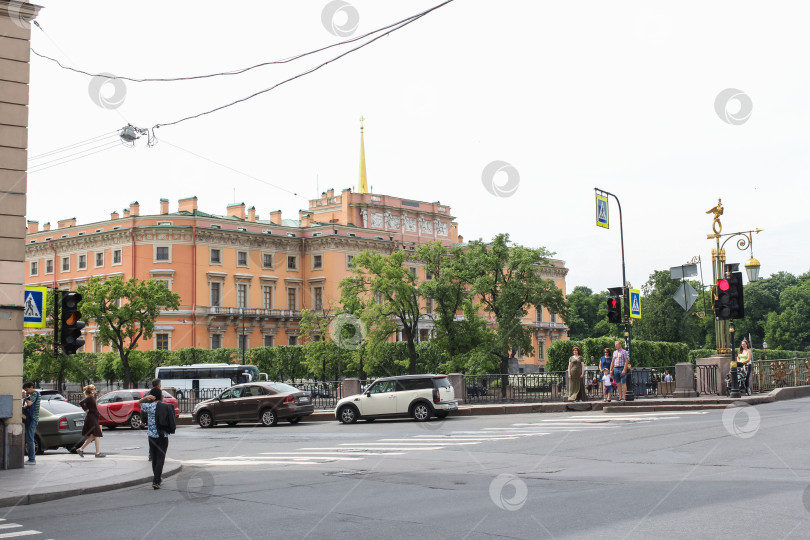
{"points": [[268, 418], [348, 414], [38, 446], [294, 419], [135, 421], [205, 419], [441, 414], [421, 412]]}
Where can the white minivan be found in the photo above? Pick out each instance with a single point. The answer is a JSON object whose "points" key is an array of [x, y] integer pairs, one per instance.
{"points": [[417, 396]]}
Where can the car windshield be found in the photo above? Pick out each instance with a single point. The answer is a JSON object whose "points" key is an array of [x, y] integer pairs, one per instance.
{"points": [[60, 407], [281, 387]]}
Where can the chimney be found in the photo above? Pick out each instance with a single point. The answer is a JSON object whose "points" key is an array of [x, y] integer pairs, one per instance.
{"points": [[114, 215], [164, 206], [460, 239], [134, 208], [252, 214], [236, 210], [330, 193], [46, 226], [65, 223], [126, 212], [189, 204], [306, 219], [275, 217], [33, 226]]}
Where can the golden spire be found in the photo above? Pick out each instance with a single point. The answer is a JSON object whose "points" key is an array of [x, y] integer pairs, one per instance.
{"points": [[363, 179]]}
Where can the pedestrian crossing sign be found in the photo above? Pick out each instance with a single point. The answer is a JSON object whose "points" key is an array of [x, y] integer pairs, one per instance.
{"points": [[602, 212], [34, 308], [635, 303]]}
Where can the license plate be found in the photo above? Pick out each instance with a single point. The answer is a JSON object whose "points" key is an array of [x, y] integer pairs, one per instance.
{"points": [[303, 400], [79, 423]]}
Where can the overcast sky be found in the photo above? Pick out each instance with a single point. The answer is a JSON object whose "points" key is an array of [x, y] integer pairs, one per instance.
{"points": [[573, 95]]}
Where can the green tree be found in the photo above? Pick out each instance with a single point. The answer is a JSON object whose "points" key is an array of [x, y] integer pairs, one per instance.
{"points": [[663, 319], [586, 311], [789, 327], [125, 312], [385, 294], [760, 299], [506, 278]]}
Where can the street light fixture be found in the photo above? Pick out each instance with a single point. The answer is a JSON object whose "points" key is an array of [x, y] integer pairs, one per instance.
{"points": [[752, 269]]}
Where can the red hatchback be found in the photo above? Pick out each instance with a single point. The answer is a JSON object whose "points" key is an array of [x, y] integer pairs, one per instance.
{"points": [[121, 408]]}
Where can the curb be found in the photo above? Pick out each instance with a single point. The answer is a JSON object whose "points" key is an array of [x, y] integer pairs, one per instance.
{"points": [[172, 467]]}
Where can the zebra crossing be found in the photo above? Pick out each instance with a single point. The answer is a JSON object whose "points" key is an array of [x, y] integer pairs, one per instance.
{"points": [[397, 446], [15, 530]]}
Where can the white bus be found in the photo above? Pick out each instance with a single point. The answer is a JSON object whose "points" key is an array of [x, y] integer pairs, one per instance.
{"points": [[200, 378]]}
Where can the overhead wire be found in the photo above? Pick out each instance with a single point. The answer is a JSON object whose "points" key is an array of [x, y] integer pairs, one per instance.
{"points": [[63, 161], [71, 146], [76, 153], [240, 70]]}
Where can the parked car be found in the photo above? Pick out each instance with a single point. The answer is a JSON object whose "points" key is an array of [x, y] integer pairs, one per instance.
{"points": [[476, 389], [417, 396], [265, 402], [316, 390], [121, 408], [48, 395], [60, 424]]}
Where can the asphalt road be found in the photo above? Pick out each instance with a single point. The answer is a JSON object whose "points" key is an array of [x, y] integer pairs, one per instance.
{"points": [[734, 473]]}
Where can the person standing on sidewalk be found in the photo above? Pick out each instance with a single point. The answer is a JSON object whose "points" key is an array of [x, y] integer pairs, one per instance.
{"points": [[745, 357], [158, 441], [91, 429], [619, 369], [604, 362], [576, 376], [31, 400]]}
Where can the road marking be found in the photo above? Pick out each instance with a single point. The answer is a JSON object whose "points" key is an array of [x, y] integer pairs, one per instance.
{"points": [[17, 534], [9, 525]]}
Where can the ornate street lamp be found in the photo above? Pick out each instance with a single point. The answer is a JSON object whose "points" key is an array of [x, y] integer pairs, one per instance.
{"points": [[752, 269]]}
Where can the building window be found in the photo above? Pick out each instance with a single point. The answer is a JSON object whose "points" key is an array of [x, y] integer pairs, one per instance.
{"points": [[241, 258], [65, 264], [539, 313], [267, 297], [243, 342], [292, 262], [317, 295], [378, 297], [96, 344], [34, 268], [291, 304], [241, 295], [292, 340], [317, 262], [269, 340], [165, 282], [428, 305], [349, 259], [216, 341], [553, 317], [412, 270], [117, 256], [82, 262], [215, 290], [99, 259], [49, 266], [267, 260], [162, 253], [216, 256], [540, 351], [162, 342]]}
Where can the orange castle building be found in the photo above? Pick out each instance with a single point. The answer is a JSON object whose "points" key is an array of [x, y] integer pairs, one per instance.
{"points": [[243, 281]]}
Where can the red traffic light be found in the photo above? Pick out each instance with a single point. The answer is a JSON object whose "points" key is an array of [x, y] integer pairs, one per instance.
{"points": [[723, 285], [613, 303]]}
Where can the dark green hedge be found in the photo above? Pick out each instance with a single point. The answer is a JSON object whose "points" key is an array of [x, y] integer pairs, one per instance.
{"points": [[643, 353]]}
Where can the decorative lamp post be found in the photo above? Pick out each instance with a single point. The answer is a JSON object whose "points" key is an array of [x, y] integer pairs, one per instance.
{"points": [[752, 269], [765, 348]]}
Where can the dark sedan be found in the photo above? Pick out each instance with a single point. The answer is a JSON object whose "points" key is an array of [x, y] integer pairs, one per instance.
{"points": [[265, 402], [60, 424]]}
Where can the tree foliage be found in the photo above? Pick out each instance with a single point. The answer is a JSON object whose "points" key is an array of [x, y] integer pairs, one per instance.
{"points": [[125, 312]]}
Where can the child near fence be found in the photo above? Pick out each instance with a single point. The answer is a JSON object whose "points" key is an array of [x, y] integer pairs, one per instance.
{"points": [[608, 385]]}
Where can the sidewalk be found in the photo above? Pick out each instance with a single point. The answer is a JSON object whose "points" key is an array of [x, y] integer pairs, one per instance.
{"points": [[58, 476]]}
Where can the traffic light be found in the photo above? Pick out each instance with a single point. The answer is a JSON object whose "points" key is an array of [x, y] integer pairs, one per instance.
{"points": [[729, 302], [70, 333], [614, 310]]}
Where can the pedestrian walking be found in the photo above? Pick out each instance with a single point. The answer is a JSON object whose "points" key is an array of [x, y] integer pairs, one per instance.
{"points": [[91, 429], [745, 357], [158, 440], [576, 376], [607, 384], [156, 383], [31, 401], [618, 367]]}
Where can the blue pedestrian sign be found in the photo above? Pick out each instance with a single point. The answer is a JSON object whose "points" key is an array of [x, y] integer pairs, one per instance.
{"points": [[602, 212], [34, 308], [635, 303]]}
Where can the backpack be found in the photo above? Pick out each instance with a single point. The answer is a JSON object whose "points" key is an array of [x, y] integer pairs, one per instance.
{"points": [[164, 418]]}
